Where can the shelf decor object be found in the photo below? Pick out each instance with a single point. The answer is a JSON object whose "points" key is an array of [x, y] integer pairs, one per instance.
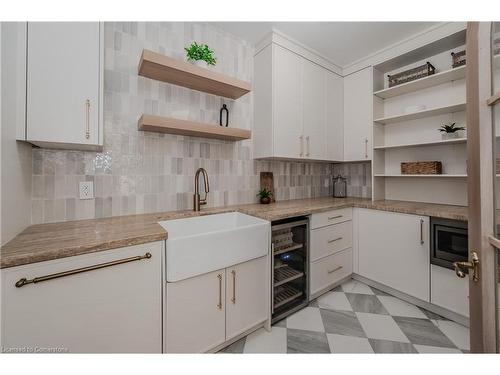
{"points": [[191, 128], [411, 74], [221, 115], [458, 59], [166, 69], [267, 182], [422, 167], [200, 53]]}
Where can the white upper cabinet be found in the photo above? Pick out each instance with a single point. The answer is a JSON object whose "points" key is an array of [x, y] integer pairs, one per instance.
{"points": [[358, 113], [64, 84], [292, 108], [334, 117]]}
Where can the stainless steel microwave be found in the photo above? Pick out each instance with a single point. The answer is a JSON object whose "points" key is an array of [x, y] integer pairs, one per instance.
{"points": [[449, 242]]}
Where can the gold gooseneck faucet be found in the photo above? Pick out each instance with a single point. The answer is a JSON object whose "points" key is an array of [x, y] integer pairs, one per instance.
{"points": [[197, 202]]}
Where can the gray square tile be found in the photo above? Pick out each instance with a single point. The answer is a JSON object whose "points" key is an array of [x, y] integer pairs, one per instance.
{"points": [[342, 323], [385, 346], [300, 341], [281, 323], [366, 303], [422, 332]]}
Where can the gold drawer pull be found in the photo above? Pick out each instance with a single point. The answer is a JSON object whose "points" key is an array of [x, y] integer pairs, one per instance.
{"points": [[335, 269], [233, 300], [25, 281], [87, 119], [219, 305], [335, 239], [335, 217]]}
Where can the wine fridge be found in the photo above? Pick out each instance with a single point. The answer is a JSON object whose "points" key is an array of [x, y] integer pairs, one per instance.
{"points": [[290, 266]]}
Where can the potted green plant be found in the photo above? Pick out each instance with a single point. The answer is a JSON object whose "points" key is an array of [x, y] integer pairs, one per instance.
{"points": [[265, 195], [200, 54], [450, 131]]}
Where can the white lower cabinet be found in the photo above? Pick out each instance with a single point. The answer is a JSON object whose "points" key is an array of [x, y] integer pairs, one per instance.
{"points": [[328, 270], [204, 311], [449, 291], [114, 309], [393, 249]]}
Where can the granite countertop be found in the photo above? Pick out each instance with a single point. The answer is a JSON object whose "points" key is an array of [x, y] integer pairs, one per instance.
{"points": [[43, 242]]}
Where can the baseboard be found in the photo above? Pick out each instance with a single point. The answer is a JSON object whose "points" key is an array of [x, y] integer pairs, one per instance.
{"points": [[240, 336], [328, 288], [458, 318]]}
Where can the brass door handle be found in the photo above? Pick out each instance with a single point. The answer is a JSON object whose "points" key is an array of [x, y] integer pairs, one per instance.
{"points": [[24, 281], [233, 300], [473, 264], [87, 119], [219, 305], [335, 239]]}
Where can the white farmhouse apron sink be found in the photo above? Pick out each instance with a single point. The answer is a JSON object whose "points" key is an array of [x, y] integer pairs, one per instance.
{"points": [[202, 244]]}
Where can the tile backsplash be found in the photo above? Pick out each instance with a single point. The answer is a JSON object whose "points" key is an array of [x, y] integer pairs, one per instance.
{"points": [[140, 172], [359, 178]]}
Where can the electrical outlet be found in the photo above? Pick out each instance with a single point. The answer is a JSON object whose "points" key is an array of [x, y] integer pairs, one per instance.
{"points": [[327, 182], [86, 190]]}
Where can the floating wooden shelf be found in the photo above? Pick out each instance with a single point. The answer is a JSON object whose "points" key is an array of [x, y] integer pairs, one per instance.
{"points": [[421, 114], [423, 83], [191, 128], [166, 69], [430, 143]]}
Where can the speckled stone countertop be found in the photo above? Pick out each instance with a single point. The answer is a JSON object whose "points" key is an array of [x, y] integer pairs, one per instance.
{"points": [[43, 242]]}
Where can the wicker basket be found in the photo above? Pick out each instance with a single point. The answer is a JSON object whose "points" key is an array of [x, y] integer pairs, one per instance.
{"points": [[411, 74], [422, 167], [458, 59]]}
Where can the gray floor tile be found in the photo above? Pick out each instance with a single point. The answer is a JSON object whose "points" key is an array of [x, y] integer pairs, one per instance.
{"points": [[236, 347], [300, 341], [342, 323], [384, 346], [422, 332], [432, 315], [338, 288], [366, 303], [281, 323]]}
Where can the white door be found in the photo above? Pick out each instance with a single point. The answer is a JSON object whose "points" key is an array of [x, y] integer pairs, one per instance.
{"points": [[247, 300], [287, 72], [394, 251], [314, 110], [63, 82], [358, 123], [195, 313], [334, 116], [116, 309]]}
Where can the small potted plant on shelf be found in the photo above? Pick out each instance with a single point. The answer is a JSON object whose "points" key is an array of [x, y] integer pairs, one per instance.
{"points": [[450, 131], [265, 196], [200, 54]]}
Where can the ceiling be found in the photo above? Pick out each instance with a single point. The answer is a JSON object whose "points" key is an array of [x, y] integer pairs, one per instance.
{"points": [[340, 42]]}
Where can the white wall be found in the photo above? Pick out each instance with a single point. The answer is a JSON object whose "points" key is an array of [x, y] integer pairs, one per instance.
{"points": [[16, 156]]}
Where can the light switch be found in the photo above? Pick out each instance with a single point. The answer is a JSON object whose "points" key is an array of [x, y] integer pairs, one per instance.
{"points": [[86, 190]]}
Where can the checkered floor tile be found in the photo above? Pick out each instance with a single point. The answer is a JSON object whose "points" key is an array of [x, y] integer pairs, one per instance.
{"points": [[355, 318]]}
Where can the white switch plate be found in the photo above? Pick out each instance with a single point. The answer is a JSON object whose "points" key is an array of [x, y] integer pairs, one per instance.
{"points": [[86, 190]]}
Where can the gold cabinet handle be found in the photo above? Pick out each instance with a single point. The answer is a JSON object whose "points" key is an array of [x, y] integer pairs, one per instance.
{"points": [[335, 239], [335, 269], [366, 148], [219, 305], [421, 231], [87, 119], [24, 281], [301, 145], [233, 300], [307, 146], [335, 217]]}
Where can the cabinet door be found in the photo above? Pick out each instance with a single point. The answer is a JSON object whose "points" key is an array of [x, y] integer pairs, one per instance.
{"points": [[195, 315], [334, 117], [63, 81], [394, 251], [288, 139], [247, 300], [358, 123], [314, 110], [116, 309]]}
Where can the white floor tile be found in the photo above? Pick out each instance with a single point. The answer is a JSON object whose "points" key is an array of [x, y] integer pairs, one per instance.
{"points": [[334, 301], [348, 344], [354, 286], [397, 307], [308, 319], [424, 349], [262, 341], [381, 327], [458, 334]]}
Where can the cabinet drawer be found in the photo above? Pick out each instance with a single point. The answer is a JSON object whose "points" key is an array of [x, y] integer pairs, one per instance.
{"points": [[331, 239], [330, 217], [328, 270]]}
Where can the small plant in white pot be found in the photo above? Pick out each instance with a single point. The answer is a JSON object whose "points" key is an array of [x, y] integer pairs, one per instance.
{"points": [[450, 131], [200, 54]]}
